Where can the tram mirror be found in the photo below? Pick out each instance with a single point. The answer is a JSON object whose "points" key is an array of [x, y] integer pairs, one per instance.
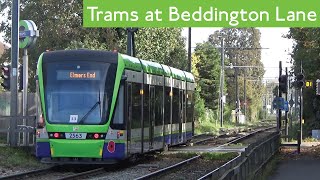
{"points": [[124, 77]]}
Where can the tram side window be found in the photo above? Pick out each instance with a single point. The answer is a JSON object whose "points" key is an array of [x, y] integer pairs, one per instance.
{"points": [[146, 106], [167, 105], [118, 119], [190, 106], [158, 105], [175, 106], [136, 106]]}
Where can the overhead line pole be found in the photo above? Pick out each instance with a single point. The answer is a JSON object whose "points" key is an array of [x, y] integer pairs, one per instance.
{"points": [[189, 50], [221, 82], [237, 91], [301, 110], [14, 64], [286, 112], [245, 94], [280, 95]]}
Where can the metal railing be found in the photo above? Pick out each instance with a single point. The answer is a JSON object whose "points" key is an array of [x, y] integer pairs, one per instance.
{"points": [[24, 134], [247, 165]]}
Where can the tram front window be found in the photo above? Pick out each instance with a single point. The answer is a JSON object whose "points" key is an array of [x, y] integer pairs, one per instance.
{"points": [[78, 92]]}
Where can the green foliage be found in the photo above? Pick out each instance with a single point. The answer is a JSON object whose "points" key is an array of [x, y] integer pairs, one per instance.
{"points": [[184, 155], [310, 139], [209, 73], [163, 45], [208, 122], [219, 156], [306, 50], [60, 26], [245, 51]]}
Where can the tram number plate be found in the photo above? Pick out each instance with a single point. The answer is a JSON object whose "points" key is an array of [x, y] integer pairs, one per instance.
{"points": [[76, 135]]}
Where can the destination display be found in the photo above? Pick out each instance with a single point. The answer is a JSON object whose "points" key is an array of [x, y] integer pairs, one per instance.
{"points": [[78, 75]]}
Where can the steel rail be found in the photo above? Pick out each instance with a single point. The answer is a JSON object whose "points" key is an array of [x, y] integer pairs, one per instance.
{"points": [[29, 173], [167, 169], [245, 137], [82, 174]]}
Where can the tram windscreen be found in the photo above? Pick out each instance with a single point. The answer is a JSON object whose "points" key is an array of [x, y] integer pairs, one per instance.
{"points": [[78, 92]]}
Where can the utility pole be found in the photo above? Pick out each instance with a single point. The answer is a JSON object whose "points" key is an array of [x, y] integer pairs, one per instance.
{"points": [[266, 100], [237, 91], [245, 94], [280, 95], [286, 112], [301, 105], [25, 94], [130, 41], [189, 50], [221, 82], [14, 65], [296, 103]]}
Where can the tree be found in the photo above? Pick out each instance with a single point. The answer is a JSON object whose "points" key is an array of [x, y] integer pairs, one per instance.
{"points": [[306, 52], [199, 102], [60, 25], [163, 45], [242, 49], [209, 73]]}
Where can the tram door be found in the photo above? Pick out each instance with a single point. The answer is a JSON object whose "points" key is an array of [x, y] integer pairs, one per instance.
{"points": [[184, 117], [152, 115], [180, 114], [129, 115]]}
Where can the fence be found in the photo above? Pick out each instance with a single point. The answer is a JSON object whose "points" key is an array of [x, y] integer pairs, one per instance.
{"points": [[25, 133], [247, 165]]}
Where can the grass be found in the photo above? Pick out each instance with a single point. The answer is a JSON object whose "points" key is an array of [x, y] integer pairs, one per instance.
{"points": [[210, 126], [310, 139], [184, 155], [236, 145], [207, 156], [3, 140], [17, 157], [219, 156]]}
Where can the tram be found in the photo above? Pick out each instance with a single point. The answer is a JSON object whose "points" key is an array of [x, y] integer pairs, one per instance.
{"points": [[103, 107]]}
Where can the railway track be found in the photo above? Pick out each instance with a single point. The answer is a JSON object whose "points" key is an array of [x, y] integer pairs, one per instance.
{"points": [[168, 169], [228, 137], [55, 172], [189, 169], [29, 173]]}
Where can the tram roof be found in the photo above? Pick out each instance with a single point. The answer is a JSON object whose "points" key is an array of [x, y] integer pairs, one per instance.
{"points": [[155, 68], [152, 67], [177, 74], [131, 62], [189, 76]]}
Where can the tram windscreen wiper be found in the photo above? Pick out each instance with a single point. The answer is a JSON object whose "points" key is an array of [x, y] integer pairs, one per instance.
{"points": [[87, 114]]}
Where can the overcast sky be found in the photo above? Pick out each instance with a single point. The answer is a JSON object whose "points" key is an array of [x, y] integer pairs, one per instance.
{"points": [[270, 38]]}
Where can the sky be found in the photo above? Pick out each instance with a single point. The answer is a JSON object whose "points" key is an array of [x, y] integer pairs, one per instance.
{"points": [[271, 38]]}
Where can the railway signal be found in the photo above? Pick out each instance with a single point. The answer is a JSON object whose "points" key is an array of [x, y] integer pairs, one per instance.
{"points": [[5, 77], [300, 81], [283, 83]]}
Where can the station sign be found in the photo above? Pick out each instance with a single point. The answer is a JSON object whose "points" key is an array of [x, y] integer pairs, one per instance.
{"points": [[28, 33]]}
